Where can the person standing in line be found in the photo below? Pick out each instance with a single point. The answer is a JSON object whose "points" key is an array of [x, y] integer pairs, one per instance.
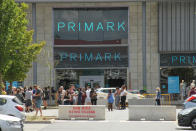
{"points": [[53, 92], [19, 95], [110, 99], [79, 96], [28, 99], [73, 94], [117, 98], [38, 100], [83, 96], [45, 97], [22, 94], [93, 96], [67, 97], [158, 96], [123, 95], [14, 91], [88, 98], [23, 90], [60, 95], [33, 98], [31, 107], [3, 91]]}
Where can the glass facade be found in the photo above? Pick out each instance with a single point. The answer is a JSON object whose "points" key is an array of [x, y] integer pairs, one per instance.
{"points": [[93, 77], [92, 65], [181, 65], [188, 74]]}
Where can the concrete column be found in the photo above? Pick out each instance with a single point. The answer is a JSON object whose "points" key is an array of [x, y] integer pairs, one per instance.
{"points": [[34, 40], [144, 44]]}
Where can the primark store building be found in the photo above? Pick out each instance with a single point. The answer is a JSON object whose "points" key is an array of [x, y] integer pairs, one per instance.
{"points": [[108, 43]]}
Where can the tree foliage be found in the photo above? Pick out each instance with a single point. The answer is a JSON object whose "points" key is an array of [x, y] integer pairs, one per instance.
{"points": [[16, 48]]}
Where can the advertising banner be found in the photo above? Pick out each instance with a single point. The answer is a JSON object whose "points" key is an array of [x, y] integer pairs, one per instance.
{"points": [[173, 84]]}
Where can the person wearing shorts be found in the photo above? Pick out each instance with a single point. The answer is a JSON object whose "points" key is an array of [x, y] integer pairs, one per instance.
{"points": [[28, 99], [38, 100]]}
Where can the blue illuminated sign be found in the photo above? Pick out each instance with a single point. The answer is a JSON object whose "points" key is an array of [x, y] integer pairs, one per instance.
{"points": [[74, 57], [89, 57], [173, 84], [91, 26], [181, 59]]}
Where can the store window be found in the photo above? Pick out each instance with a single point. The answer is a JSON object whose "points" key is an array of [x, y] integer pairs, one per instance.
{"points": [[181, 65], [90, 26], [92, 77]]}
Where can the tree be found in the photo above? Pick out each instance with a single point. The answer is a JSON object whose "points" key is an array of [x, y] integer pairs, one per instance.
{"points": [[21, 62], [16, 48]]}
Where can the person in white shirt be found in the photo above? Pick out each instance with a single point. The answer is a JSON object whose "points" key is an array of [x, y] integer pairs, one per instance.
{"points": [[60, 95], [28, 99], [123, 95], [88, 98]]}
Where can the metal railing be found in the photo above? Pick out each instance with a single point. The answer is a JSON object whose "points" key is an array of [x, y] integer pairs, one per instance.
{"points": [[165, 98]]}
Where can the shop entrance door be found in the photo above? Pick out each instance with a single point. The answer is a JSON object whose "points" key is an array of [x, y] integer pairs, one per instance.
{"points": [[92, 81]]}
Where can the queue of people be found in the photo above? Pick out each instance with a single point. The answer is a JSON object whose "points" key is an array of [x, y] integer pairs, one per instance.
{"points": [[34, 97], [88, 96], [119, 98], [79, 96]]}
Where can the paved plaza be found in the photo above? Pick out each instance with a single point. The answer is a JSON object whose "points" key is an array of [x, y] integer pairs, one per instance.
{"points": [[115, 121]]}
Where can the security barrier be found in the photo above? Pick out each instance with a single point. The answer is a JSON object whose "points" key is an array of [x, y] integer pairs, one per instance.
{"points": [[152, 113], [81, 112], [146, 101]]}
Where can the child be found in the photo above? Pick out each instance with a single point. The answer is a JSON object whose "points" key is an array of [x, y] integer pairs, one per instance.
{"points": [[110, 100]]}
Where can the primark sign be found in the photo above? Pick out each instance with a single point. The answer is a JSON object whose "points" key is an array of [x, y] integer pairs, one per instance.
{"points": [[178, 59], [91, 26], [84, 26], [85, 57]]}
